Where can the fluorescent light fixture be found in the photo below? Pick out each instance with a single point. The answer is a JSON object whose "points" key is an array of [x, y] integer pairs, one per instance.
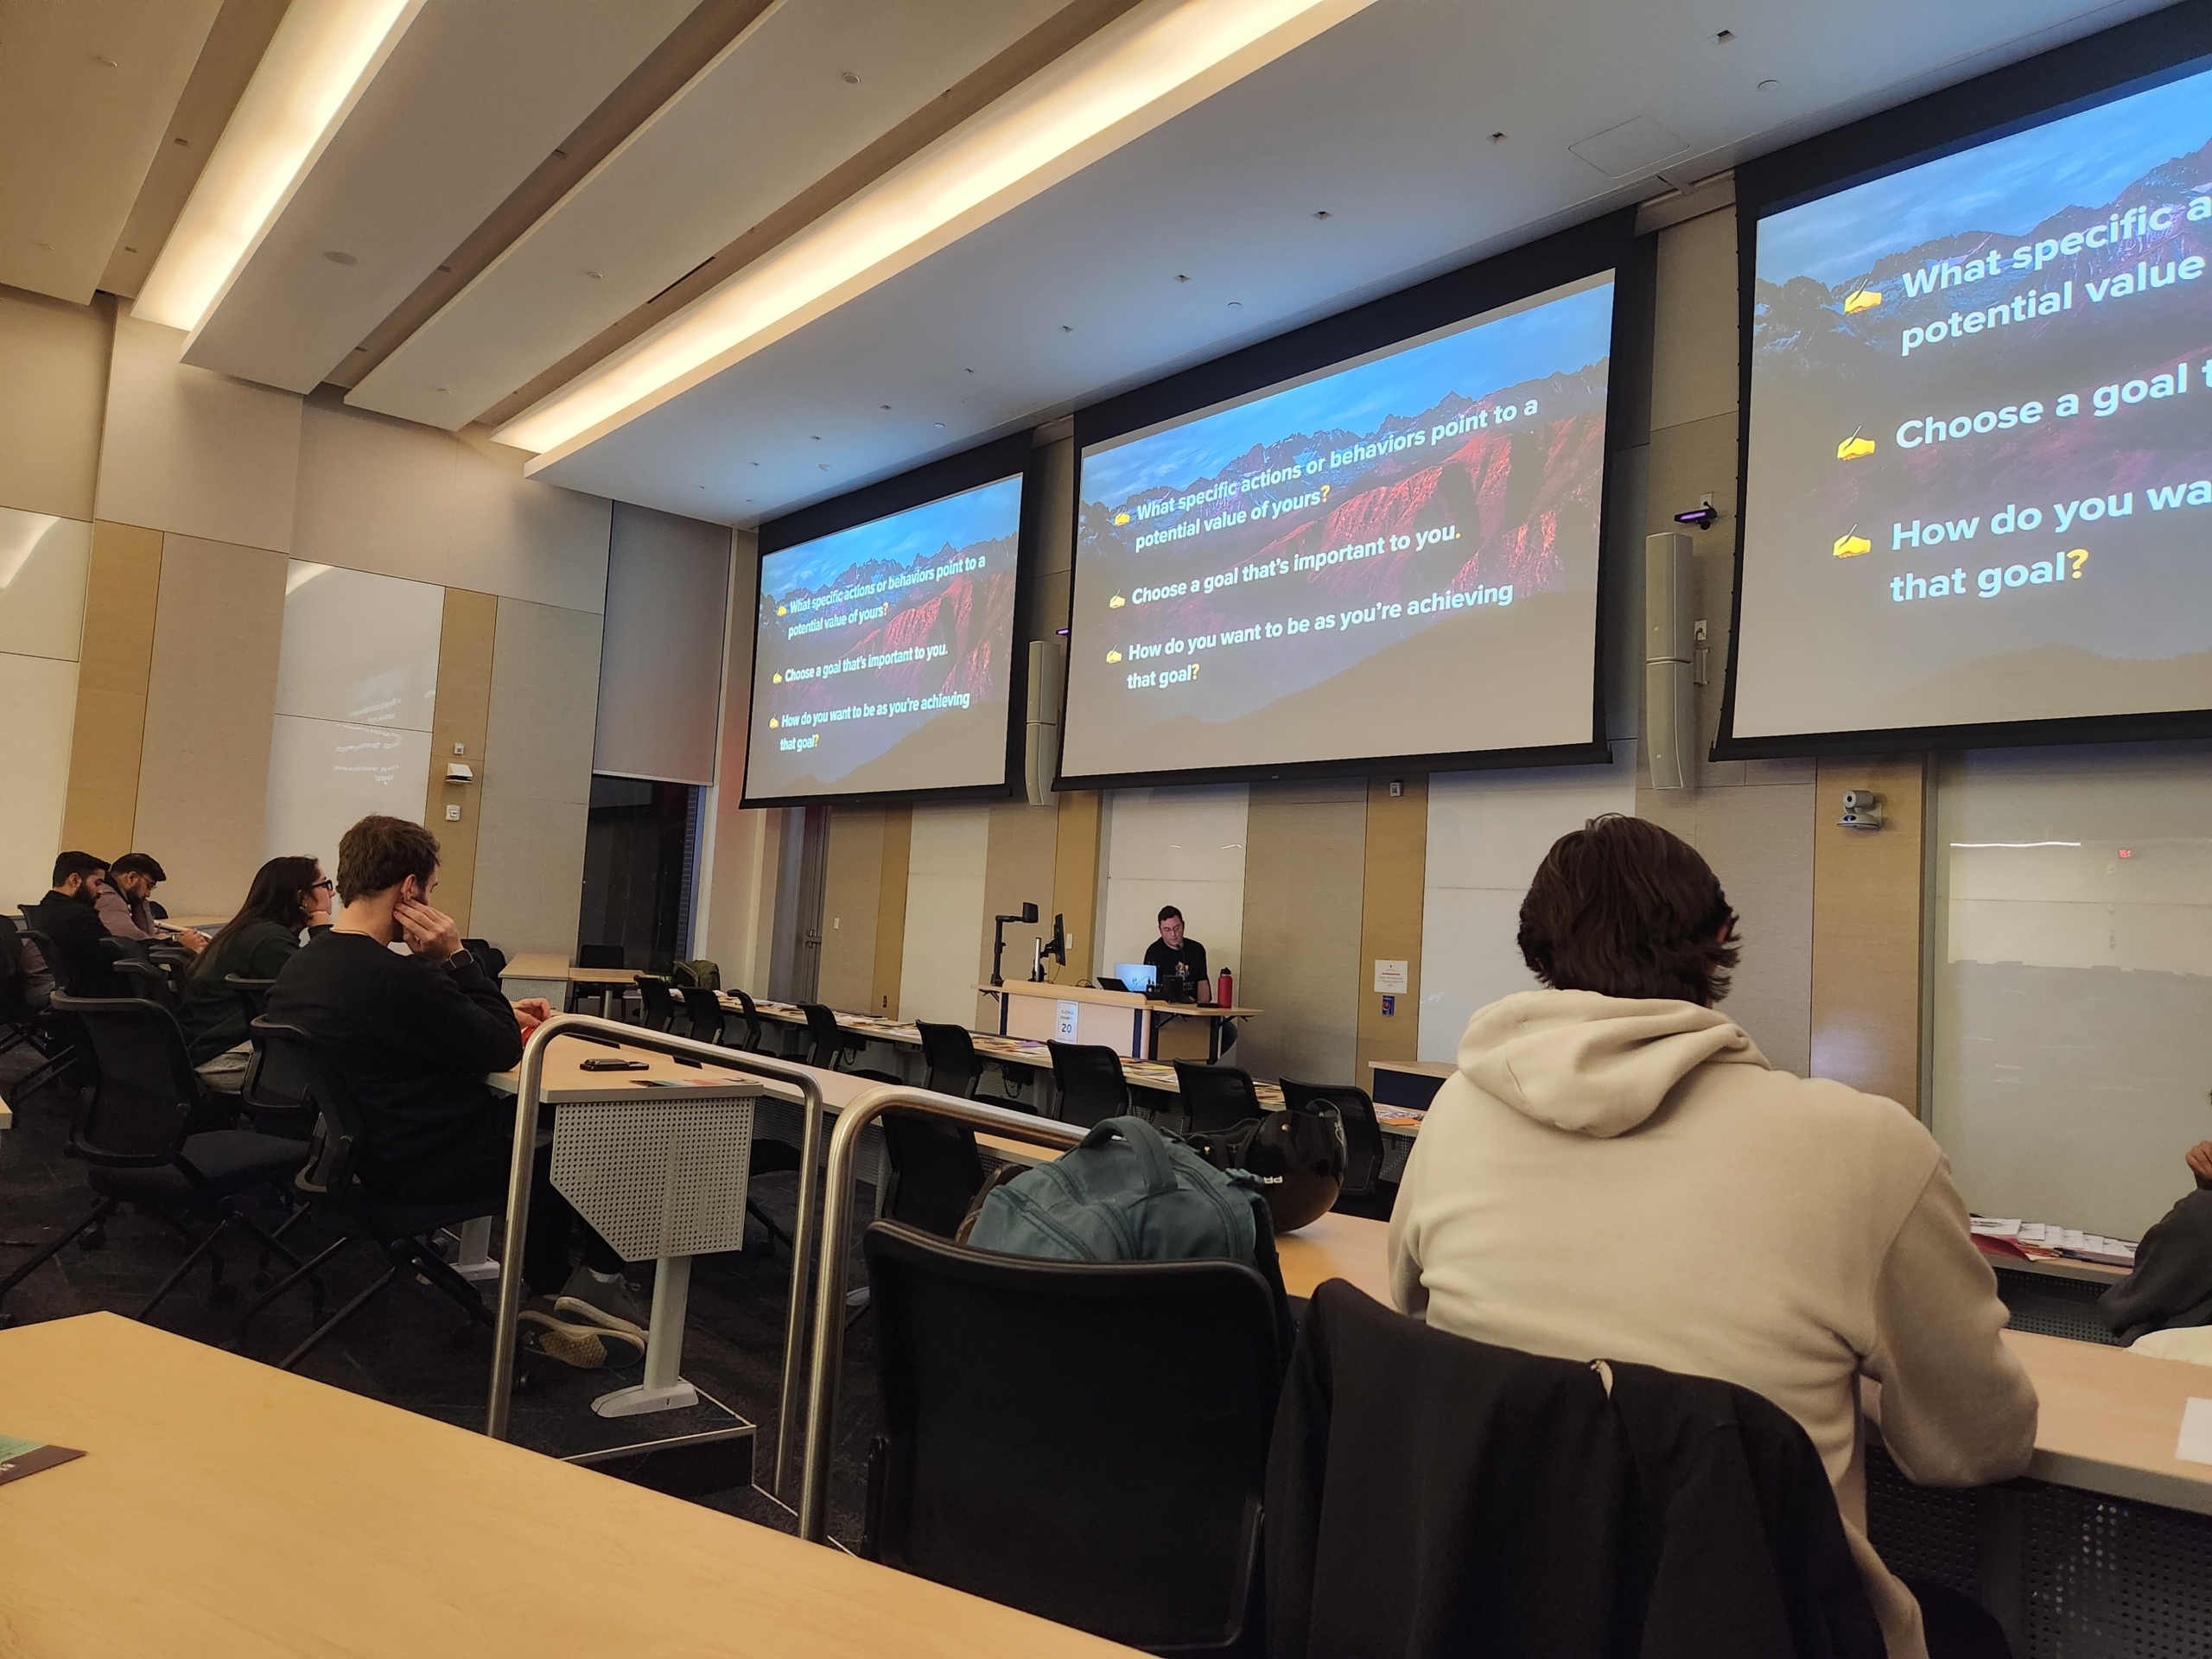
{"points": [[323, 55], [2014, 846], [1153, 62]]}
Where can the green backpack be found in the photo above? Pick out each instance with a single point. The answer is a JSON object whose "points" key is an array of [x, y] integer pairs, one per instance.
{"points": [[700, 975]]}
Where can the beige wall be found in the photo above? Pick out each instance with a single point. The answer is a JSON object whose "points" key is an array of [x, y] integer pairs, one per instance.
{"points": [[53, 368], [852, 893], [116, 661], [462, 716], [203, 776], [1305, 866]]}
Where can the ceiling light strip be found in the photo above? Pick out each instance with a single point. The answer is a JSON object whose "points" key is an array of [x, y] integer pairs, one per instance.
{"points": [[322, 56], [1149, 65]]}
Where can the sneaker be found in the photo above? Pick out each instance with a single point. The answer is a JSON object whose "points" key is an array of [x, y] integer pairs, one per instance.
{"points": [[585, 1344], [607, 1303]]}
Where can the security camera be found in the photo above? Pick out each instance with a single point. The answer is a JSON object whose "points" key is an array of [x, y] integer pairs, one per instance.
{"points": [[1862, 809], [1701, 517]]}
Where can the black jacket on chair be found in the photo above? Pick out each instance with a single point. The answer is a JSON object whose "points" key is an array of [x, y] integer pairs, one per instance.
{"points": [[86, 968], [1432, 1496]]}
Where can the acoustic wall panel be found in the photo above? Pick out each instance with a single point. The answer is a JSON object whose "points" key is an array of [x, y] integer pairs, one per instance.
{"points": [[661, 666]]}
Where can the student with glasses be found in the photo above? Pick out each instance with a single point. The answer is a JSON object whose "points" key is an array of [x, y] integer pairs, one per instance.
{"points": [[289, 896]]}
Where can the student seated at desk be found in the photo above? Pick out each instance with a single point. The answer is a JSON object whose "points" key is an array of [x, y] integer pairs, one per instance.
{"points": [[2170, 1289], [69, 917], [288, 895], [417, 1034], [1615, 1172], [125, 897], [1180, 963]]}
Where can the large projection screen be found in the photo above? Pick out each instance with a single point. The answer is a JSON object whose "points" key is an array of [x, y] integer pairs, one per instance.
{"points": [[1978, 486], [1393, 555], [883, 654]]}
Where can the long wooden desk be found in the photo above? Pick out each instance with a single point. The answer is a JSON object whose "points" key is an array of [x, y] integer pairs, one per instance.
{"points": [[226, 1507]]}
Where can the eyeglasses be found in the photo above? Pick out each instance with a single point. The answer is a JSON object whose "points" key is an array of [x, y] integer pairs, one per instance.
{"points": [[313, 886]]}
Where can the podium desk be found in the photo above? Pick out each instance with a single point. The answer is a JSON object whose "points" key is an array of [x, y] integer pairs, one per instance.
{"points": [[1128, 1022]]}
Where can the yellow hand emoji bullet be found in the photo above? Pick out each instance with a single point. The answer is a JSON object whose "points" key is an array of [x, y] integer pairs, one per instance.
{"points": [[1113, 656], [1115, 603], [1863, 299], [1854, 447], [777, 679], [1851, 544]]}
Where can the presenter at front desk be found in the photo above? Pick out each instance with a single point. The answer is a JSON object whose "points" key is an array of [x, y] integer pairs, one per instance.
{"points": [[1181, 962]]}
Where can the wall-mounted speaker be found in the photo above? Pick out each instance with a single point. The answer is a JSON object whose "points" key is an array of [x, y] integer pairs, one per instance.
{"points": [[1669, 647], [1041, 751]]}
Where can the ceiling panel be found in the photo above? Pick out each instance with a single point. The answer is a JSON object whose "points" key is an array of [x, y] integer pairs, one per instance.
{"points": [[86, 88], [807, 87], [475, 95], [1383, 124]]}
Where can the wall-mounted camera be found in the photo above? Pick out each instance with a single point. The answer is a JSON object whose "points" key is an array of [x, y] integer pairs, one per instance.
{"points": [[1862, 809]]}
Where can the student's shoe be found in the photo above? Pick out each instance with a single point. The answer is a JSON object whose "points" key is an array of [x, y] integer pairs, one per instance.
{"points": [[582, 1343], [589, 1299]]}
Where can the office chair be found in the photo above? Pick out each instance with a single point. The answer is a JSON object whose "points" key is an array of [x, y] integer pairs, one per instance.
{"points": [[252, 994], [489, 957], [950, 1052], [936, 1171], [1087, 1084], [275, 1092], [1000, 1470], [24, 1017], [705, 1010], [1216, 1097], [133, 1130], [148, 983], [827, 1039], [331, 1185], [656, 1003], [67, 1057], [1365, 1192], [750, 1015]]}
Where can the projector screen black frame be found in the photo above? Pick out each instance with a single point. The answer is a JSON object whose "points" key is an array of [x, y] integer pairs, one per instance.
{"points": [[2097, 70], [1016, 455], [1609, 242]]}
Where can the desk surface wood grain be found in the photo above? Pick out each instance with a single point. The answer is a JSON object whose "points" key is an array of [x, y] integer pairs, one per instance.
{"points": [[225, 1507]]}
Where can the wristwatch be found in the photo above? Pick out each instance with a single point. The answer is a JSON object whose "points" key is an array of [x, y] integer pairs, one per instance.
{"points": [[460, 959]]}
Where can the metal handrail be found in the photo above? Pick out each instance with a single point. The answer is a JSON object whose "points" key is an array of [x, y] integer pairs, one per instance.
{"points": [[830, 1301], [529, 1085]]}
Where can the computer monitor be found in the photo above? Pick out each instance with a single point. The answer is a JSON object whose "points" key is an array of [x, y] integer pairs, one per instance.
{"points": [[1138, 976]]}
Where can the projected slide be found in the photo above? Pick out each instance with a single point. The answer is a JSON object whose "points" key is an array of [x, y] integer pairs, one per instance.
{"points": [[1980, 463], [1394, 556], [881, 657]]}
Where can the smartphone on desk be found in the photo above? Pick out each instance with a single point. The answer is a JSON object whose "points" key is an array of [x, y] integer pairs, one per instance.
{"points": [[610, 1063]]}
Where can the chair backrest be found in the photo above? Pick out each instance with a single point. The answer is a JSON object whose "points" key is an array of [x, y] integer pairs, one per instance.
{"points": [[598, 956], [658, 1005], [706, 1011], [951, 1054], [752, 1018], [935, 1170], [829, 1037], [276, 1090], [335, 1161], [1020, 1461], [1087, 1077], [147, 982], [145, 1094], [252, 993], [1215, 1096], [489, 957], [1363, 1149]]}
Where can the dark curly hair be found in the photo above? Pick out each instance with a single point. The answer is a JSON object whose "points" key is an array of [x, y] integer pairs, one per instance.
{"points": [[1622, 908]]}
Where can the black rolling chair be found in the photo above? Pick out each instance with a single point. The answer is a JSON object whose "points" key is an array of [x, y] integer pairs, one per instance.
{"points": [[936, 1171], [826, 1040], [656, 1002], [489, 957], [133, 1132], [1087, 1084], [704, 1010], [950, 1052], [1216, 1097], [751, 1016], [274, 1093], [252, 994], [147, 982], [399, 1228], [55, 1035], [23, 1016], [995, 1473], [596, 955], [1365, 1192]]}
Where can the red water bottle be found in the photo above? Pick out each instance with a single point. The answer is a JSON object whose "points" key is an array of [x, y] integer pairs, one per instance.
{"points": [[1221, 997]]}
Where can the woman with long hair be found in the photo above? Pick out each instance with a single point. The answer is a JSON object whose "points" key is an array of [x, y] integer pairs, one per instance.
{"points": [[288, 895]]}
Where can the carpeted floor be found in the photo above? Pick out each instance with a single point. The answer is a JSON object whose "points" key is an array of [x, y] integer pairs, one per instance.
{"points": [[411, 1347]]}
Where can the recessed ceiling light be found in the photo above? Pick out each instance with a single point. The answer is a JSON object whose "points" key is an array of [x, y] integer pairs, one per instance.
{"points": [[886, 406], [1237, 305], [1769, 86], [128, 249], [1150, 64], [1497, 137], [182, 143], [1067, 328], [1724, 37], [849, 78], [1323, 213], [825, 465], [105, 63], [340, 256], [1182, 278], [940, 426], [816, 437], [594, 275], [316, 65]]}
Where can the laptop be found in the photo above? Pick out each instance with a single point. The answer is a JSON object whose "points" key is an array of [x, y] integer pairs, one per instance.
{"points": [[1135, 976]]}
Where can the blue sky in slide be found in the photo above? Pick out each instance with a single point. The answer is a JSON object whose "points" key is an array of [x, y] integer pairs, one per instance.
{"points": [[2008, 186], [986, 513], [1557, 337]]}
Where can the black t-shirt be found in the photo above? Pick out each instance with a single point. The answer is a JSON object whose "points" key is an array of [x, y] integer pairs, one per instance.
{"points": [[1186, 961], [416, 1037]]}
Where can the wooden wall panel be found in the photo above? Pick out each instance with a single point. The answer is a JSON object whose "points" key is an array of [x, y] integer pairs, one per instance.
{"points": [[461, 715], [852, 894], [1395, 863], [1867, 930], [122, 590], [890, 910], [1075, 875], [1304, 873], [211, 700]]}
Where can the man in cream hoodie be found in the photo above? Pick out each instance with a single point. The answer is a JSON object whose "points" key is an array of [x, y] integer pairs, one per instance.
{"points": [[1616, 1172]]}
